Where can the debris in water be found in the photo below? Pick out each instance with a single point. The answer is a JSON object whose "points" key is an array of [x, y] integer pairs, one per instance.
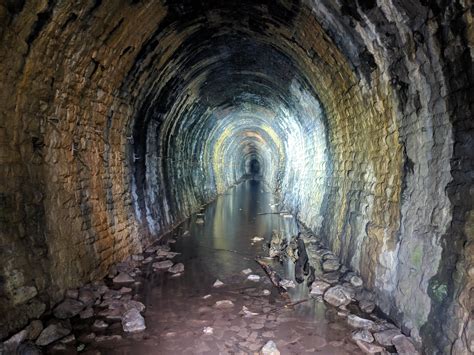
{"points": [[208, 330], [287, 283], [218, 283], [253, 278]]}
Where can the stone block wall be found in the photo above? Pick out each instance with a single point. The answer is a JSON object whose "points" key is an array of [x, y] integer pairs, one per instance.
{"points": [[119, 119]]}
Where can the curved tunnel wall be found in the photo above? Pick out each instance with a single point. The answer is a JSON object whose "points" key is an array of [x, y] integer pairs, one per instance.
{"points": [[119, 119]]}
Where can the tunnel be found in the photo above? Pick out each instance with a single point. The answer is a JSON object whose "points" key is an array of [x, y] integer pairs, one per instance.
{"points": [[346, 125]]}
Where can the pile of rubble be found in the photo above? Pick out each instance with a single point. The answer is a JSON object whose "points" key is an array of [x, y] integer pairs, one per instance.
{"points": [[330, 281], [98, 312]]}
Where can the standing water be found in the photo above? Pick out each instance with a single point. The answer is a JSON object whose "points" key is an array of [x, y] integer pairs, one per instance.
{"points": [[184, 314]]}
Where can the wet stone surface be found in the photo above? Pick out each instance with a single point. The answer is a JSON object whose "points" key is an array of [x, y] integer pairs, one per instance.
{"points": [[204, 293]]}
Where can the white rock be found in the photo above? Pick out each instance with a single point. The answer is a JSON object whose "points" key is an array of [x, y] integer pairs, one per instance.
{"points": [[270, 348], [266, 292], [224, 304], [206, 297], [52, 333], [68, 308], [257, 239], [248, 313], [253, 278], [218, 283], [208, 330], [132, 321], [247, 271]]}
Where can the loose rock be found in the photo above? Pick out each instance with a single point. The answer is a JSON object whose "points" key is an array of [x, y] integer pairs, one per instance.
{"points": [[34, 329], [337, 296], [132, 321], [253, 278], [331, 265], [358, 322], [247, 271], [369, 348], [68, 308], [52, 333], [123, 278], [177, 268], [270, 348], [356, 281], [208, 330], [318, 288], [218, 283], [363, 335], [366, 306], [403, 345], [224, 304], [287, 284], [163, 265], [385, 337]]}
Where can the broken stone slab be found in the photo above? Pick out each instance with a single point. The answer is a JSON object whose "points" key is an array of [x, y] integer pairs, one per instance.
{"points": [[358, 322], [68, 308], [369, 348], [403, 345], [330, 265], [176, 268], [163, 265], [52, 333], [224, 304], [253, 277], [318, 288], [385, 337], [363, 335], [133, 321], [270, 348], [337, 296], [123, 278]]}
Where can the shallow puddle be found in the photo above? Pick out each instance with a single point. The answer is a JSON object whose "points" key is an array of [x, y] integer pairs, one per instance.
{"points": [[182, 318]]}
